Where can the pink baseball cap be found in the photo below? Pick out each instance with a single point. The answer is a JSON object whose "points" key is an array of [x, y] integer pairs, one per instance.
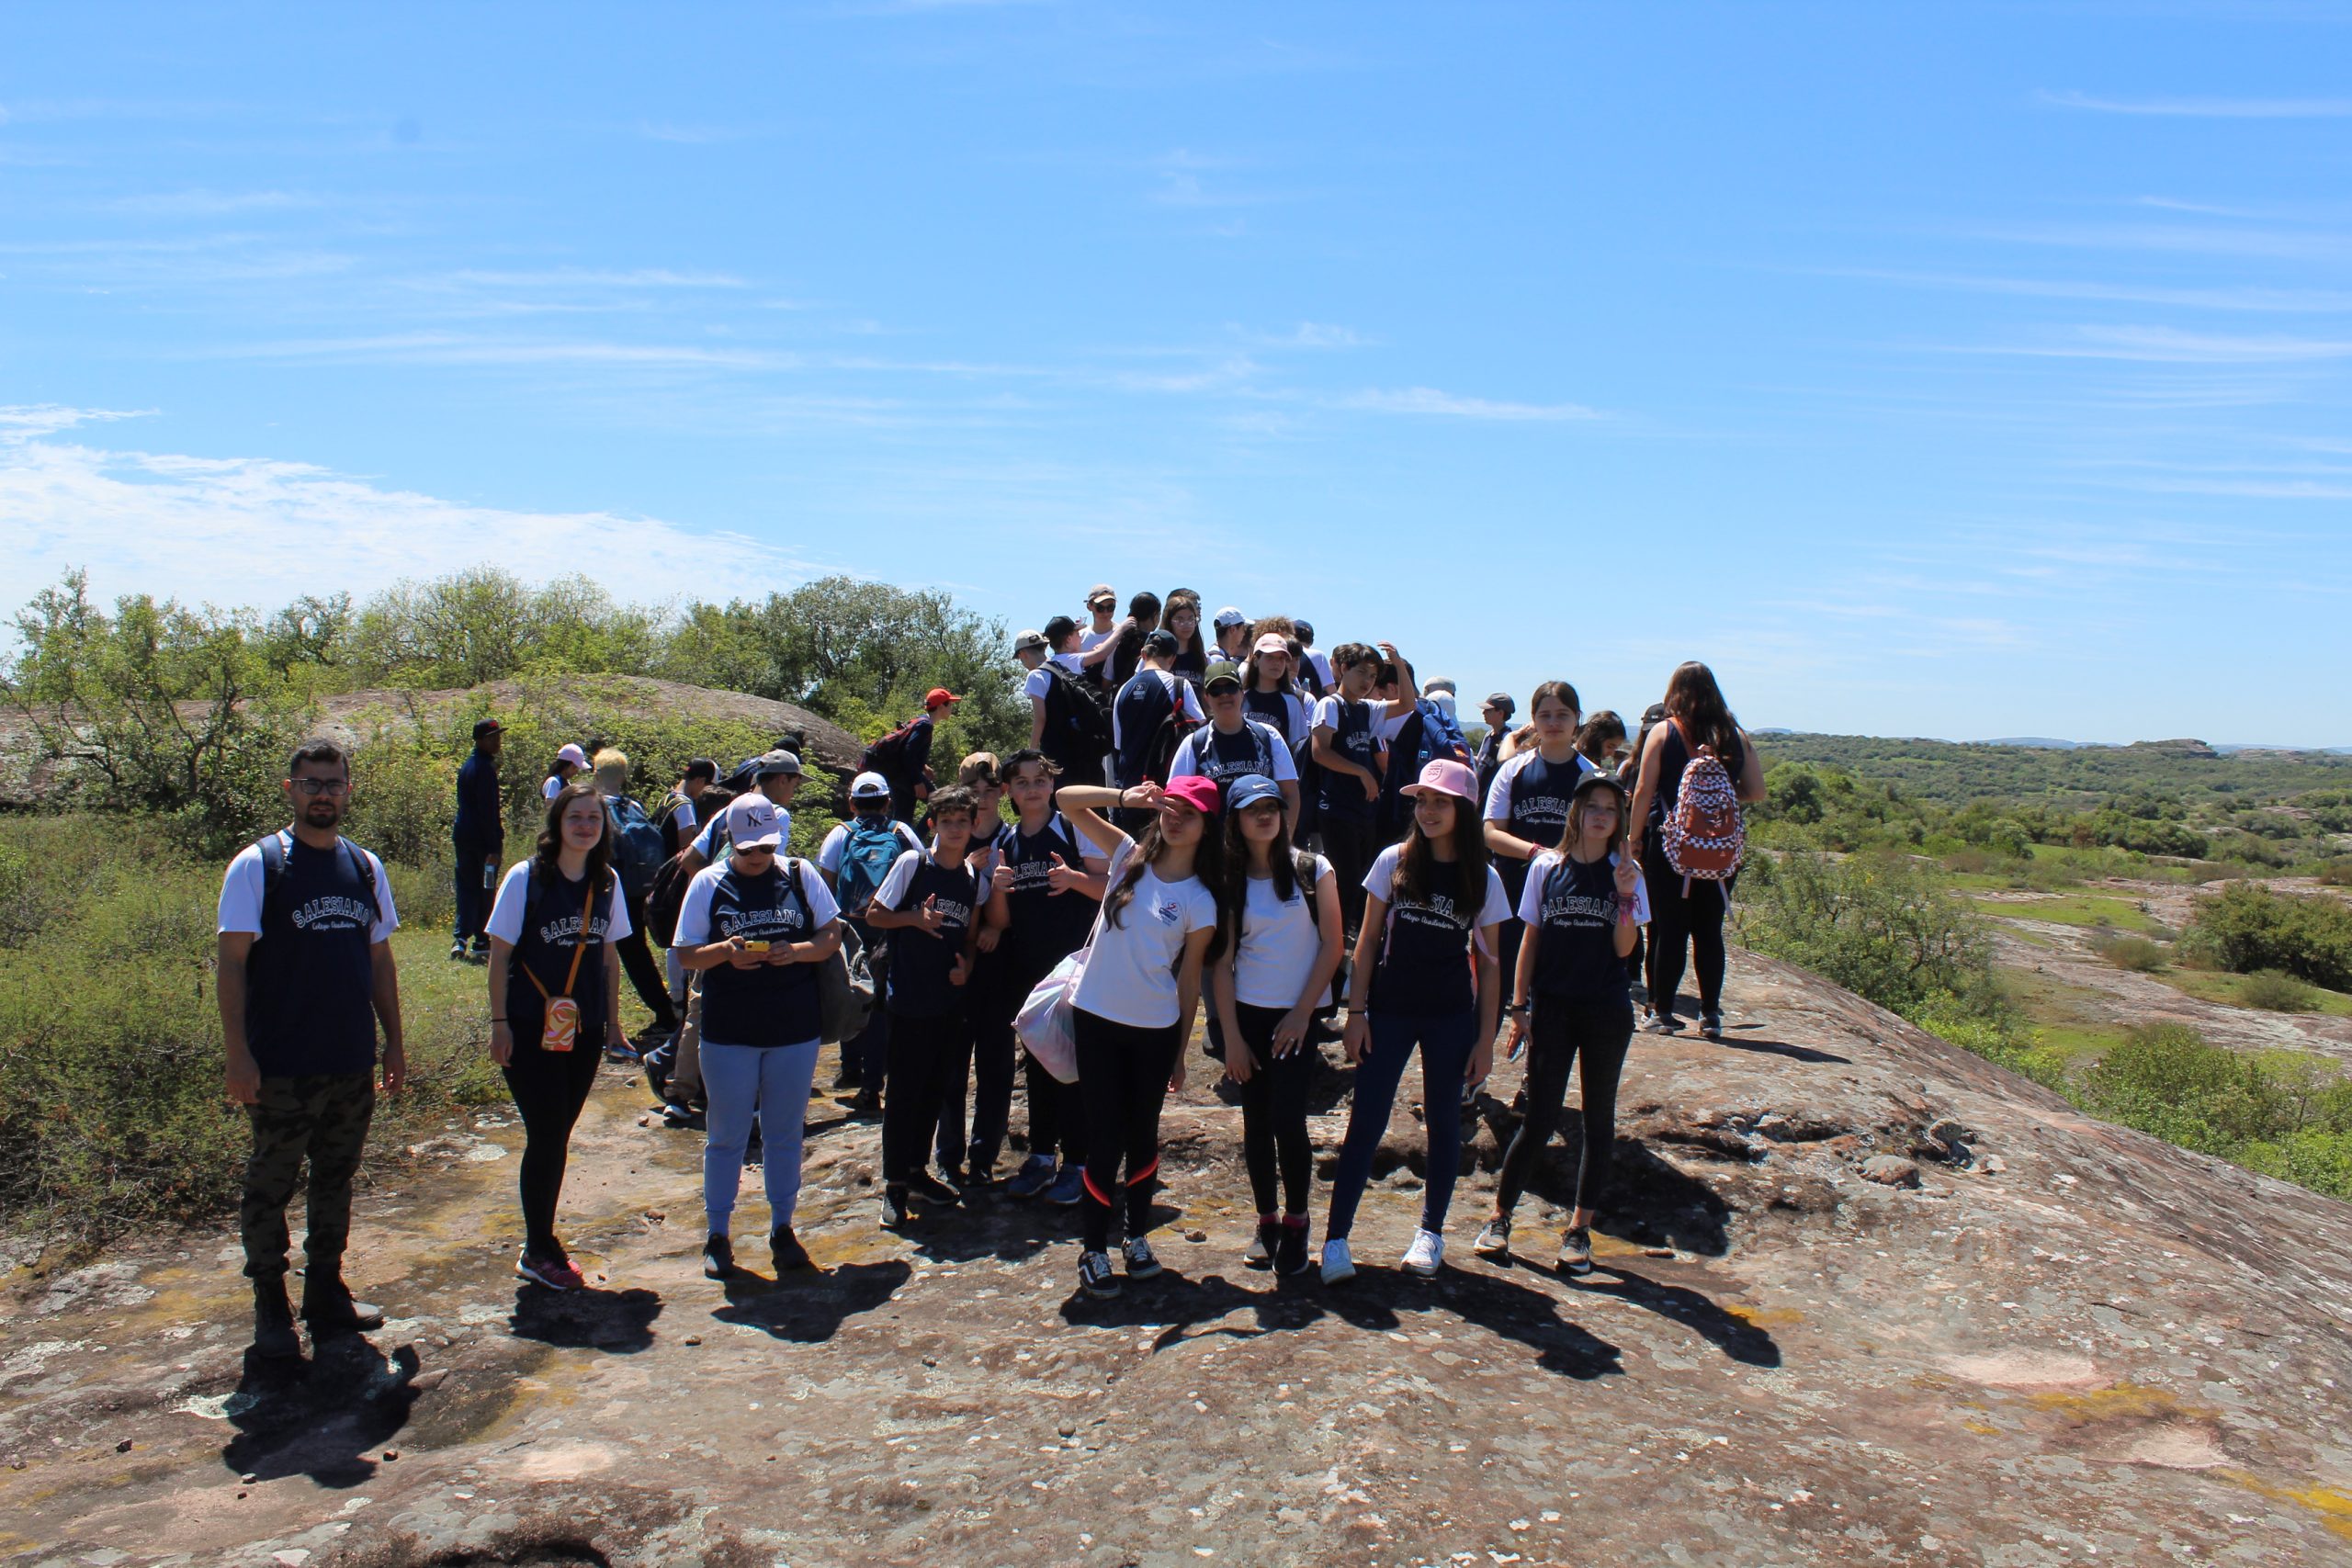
{"points": [[1445, 777], [1195, 791]]}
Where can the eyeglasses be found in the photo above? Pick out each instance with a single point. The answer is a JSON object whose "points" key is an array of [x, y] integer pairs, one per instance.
{"points": [[320, 786], [755, 848]]}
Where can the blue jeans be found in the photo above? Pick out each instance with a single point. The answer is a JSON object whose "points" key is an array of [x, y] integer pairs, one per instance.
{"points": [[1446, 1041], [740, 1082]]}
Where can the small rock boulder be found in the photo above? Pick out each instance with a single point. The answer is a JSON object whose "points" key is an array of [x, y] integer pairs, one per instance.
{"points": [[1891, 1170]]}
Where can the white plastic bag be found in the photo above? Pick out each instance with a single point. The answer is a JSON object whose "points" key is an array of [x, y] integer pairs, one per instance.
{"points": [[1045, 1023]]}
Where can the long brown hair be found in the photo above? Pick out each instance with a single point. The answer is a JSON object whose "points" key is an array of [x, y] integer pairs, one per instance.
{"points": [[1693, 698], [1232, 884], [1418, 867], [1600, 731], [1208, 864], [600, 857], [1573, 837]]}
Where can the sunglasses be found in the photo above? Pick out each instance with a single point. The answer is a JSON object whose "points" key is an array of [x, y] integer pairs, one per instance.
{"points": [[756, 850], [320, 786]]}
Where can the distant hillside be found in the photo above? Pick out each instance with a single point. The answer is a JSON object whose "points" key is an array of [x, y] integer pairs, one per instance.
{"points": [[1953, 773]]}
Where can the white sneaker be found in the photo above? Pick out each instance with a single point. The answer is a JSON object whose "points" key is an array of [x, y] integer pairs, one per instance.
{"points": [[1337, 1265], [1426, 1253]]}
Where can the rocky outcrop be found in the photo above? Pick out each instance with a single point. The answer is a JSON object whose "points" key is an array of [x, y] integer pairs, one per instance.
{"points": [[2053, 1337]]}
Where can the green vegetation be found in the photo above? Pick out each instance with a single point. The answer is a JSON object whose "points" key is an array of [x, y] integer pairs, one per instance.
{"points": [[187, 715], [1889, 928], [2274, 992], [2136, 953], [2245, 929]]}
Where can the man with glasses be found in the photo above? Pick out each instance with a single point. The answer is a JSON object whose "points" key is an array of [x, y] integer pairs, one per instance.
{"points": [[305, 976], [1232, 745]]}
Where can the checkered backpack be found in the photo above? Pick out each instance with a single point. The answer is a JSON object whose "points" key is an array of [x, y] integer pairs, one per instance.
{"points": [[1703, 838]]}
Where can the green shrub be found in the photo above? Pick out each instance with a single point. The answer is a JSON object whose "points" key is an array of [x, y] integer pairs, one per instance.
{"points": [[2274, 992], [2133, 953], [2336, 874], [1883, 928], [2244, 928]]}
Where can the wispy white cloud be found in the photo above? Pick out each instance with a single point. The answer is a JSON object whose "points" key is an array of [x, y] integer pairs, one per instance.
{"points": [[30, 422], [248, 530], [2283, 301], [1450, 405], [2207, 108], [2170, 239], [1306, 334], [2169, 346]]}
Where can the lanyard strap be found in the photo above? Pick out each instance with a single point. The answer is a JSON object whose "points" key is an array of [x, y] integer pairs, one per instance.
{"points": [[579, 949]]}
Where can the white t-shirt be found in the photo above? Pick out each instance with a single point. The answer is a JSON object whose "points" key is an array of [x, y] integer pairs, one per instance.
{"points": [[694, 913], [1530, 897], [829, 854], [1279, 943], [1131, 977], [682, 817], [1494, 910], [552, 787], [1180, 689], [1090, 639], [1322, 662], [241, 892], [704, 842], [1299, 718], [1386, 725], [1498, 793], [1187, 761], [515, 895]]}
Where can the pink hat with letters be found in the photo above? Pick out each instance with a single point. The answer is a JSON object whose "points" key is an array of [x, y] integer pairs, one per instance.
{"points": [[1443, 776]]}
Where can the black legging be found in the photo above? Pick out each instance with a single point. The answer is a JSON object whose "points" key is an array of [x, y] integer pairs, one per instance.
{"points": [[1273, 1113], [983, 1056], [1593, 1035], [1676, 921], [1348, 845], [549, 1087], [1122, 1082], [1056, 1120], [921, 1052], [645, 975]]}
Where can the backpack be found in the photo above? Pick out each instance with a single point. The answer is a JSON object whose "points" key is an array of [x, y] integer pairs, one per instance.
{"points": [[1140, 720], [868, 851], [844, 985], [273, 848], [1077, 724], [887, 756], [1160, 754], [664, 815], [637, 845], [1703, 838]]}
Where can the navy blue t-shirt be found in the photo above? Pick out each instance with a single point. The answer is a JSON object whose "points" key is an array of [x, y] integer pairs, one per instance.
{"points": [[920, 962], [309, 975]]}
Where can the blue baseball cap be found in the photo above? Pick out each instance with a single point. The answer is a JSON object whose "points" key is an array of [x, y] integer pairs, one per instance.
{"points": [[1249, 789]]}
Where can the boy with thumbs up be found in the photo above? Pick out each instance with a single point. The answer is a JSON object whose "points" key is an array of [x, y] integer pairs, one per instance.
{"points": [[1047, 885], [928, 899]]}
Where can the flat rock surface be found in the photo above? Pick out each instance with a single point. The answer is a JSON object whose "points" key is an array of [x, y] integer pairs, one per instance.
{"points": [[2069, 1340]]}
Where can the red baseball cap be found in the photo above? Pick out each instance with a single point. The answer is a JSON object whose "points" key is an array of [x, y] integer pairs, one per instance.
{"points": [[939, 697], [1200, 794]]}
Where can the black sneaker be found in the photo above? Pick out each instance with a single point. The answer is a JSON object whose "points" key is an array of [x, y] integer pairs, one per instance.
{"points": [[867, 1106], [1141, 1264], [683, 1118], [1094, 1276], [787, 1253], [1710, 1024], [274, 1333], [894, 1207], [1263, 1244], [1663, 1023], [932, 1190], [457, 952], [1291, 1253], [718, 1257], [848, 1079]]}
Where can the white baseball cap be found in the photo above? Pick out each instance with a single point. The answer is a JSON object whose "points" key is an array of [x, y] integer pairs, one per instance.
{"points": [[869, 786], [754, 822]]}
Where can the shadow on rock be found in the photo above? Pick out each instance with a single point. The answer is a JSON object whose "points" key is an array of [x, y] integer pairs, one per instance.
{"points": [[809, 1308], [1518, 1311], [1736, 1338], [619, 1321], [320, 1418]]}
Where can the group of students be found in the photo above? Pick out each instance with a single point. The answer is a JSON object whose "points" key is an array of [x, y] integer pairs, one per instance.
{"points": [[1252, 869]]}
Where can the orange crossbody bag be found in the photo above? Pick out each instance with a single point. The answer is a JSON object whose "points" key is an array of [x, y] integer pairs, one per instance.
{"points": [[561, 1030]]}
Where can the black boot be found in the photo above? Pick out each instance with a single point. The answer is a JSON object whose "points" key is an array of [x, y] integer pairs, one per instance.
{"points": [[274, 1320], [328, 1308]]}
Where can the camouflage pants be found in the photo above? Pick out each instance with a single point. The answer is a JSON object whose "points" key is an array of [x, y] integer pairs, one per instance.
{"points": [[320, 1117]]}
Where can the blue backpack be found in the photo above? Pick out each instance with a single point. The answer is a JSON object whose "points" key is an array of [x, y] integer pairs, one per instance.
{"points": [[869, 850], [638, 848]]}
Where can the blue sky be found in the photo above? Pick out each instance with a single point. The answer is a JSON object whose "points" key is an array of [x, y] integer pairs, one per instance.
{"points": [[1960, 371]]}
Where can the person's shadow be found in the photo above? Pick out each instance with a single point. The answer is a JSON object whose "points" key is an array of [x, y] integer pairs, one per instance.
{"points": [[619, 1321], [809, 1308], [320, 1417], [1741, 1340]]}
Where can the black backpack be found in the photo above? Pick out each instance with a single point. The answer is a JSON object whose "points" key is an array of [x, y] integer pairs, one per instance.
{"points": [[887, 756], [1161, 755], [1078, 722]]}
